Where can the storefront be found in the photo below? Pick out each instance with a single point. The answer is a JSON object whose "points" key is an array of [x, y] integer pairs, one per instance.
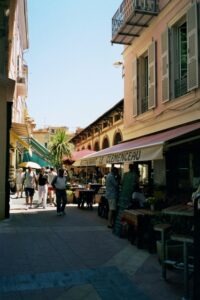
{"points": [[169, 158]]}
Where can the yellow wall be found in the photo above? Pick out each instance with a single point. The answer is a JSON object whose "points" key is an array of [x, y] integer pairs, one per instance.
{"points": [[172, 113]]}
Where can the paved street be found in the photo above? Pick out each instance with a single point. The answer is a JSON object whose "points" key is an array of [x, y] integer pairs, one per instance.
{"points": [[44, 256]]}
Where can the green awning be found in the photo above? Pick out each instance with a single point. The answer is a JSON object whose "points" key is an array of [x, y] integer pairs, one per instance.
{"points": [[35, 158]]}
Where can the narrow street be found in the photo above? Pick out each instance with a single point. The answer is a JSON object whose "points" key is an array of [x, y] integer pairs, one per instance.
{"points": [[44, 256]]}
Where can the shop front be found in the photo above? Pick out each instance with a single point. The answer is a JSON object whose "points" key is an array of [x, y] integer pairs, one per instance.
{"points": [[167, 159]]}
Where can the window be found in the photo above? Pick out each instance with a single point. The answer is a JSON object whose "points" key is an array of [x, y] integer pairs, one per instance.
{"points": [[179, 48], [144, 81], [143, 87], [179, 66]]}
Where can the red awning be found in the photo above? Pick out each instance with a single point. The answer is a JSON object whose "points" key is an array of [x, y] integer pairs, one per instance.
{"points": [[76, 155], [141, 149]]}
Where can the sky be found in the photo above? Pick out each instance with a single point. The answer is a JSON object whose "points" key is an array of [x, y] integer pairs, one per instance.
{"points": [[72, 80]]}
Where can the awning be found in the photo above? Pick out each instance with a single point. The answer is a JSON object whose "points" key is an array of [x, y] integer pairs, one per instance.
{"points": [[77, 155], [141, 149], [35, 158]]}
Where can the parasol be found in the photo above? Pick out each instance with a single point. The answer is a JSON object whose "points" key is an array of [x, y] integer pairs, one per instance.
{"points": [[31, 164]]}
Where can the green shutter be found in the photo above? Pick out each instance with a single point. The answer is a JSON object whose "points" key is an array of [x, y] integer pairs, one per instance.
{"points": [[192, 44], [152, 75], [165, 65]]}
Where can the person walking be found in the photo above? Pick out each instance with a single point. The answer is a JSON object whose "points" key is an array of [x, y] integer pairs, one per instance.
{"points": [[112, 190], [42, 188], [51, 193], [30, 183], [59, 184], [19, 183]]}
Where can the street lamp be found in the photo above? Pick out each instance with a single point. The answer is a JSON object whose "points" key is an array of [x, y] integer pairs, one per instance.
{"points": [[118, 64]]}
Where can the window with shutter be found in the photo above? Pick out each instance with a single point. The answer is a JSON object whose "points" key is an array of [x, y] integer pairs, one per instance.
{"points": [[182, 44], [135, 109], [165, 64], [192, 48], [152, 75]]}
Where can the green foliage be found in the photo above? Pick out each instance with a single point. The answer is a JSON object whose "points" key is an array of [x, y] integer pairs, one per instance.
{"points": [[59, 147]]}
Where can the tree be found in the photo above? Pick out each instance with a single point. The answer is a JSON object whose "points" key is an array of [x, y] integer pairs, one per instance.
{"points": [[60, 146]]}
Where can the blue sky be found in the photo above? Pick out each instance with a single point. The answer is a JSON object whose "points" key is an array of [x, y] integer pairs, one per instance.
{"points": [[72, 80]]}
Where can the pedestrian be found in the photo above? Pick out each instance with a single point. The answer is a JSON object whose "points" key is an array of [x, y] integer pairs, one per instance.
{"points": [[51, 192], [130, 184], [19, 183], [30, 183], [42, 188], [112, 190], [59, 184]]}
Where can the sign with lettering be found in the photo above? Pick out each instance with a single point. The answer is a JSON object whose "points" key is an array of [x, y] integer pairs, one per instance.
{"points": [[140, 154]]}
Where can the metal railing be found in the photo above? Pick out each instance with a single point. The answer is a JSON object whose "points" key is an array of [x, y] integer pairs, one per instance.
{"points": [[127, 8], [180, 87]]}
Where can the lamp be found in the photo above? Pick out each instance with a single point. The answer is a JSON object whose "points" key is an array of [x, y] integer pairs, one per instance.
{"points": [[118, 64]]}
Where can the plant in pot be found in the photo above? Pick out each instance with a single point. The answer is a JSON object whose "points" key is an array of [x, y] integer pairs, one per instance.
{"points": [[152, 201]]}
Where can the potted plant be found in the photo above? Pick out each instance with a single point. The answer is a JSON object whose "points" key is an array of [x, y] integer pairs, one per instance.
{"points": [[152, 201]]}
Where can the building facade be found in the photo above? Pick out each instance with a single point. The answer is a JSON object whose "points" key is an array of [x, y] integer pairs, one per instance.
{"points": [[161, 65], [104, 132], [14, 120], [161, 83]]}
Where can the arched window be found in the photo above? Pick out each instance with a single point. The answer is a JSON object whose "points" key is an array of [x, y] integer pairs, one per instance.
{"points": [[117, 138], [89, 147], [83, 148], [105, 143], [96, 146]]}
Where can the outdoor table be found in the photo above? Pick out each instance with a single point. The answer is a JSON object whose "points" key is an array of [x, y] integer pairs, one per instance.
{"points": [[86, 196], [181, 210], [139, 221], [95, 186]]}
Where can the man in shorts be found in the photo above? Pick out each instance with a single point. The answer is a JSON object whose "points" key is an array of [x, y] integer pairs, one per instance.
{"points": [[30, 183]]}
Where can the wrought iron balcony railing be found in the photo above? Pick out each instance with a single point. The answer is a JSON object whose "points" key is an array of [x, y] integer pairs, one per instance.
{"points": [[130, 14]]}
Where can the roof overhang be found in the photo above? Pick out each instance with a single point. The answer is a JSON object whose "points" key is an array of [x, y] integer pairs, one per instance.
{"points": [[20, 129], [20, 140]]}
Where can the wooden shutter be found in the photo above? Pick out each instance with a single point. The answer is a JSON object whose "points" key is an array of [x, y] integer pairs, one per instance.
{"points": [[165, 65], [192, 51], [135, 87], [152, 75]]}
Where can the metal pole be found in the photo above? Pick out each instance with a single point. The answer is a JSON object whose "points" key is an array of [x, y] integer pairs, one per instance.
{"points": [[196, 288]]}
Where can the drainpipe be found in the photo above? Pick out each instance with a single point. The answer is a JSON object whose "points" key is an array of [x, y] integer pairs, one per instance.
{"points": [[196, 287]]}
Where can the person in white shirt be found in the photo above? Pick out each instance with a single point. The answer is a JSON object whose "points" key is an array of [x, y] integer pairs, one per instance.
{"points": [[30, 183], [51, 193], [19, 182]]}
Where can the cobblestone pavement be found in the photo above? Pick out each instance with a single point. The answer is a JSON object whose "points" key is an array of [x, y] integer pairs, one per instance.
{"points": [[45, 256]]}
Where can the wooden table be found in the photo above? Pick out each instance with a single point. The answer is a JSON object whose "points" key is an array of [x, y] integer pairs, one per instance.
{"points": [[86, 196], [179, 210], [139, 221]]}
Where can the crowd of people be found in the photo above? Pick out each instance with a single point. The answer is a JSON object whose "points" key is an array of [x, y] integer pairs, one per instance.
{"points": [[52, 187]]}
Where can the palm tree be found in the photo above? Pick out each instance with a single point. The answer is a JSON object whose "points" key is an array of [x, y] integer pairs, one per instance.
{"points": [[60, 146]]}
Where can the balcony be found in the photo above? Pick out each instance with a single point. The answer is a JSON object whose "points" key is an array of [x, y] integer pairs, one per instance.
{"points": [[22, 87], [131, 18]]}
